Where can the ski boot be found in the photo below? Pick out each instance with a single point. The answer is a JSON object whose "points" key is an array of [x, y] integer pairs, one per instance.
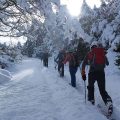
{"points": [[110, 108], [92, 102]]}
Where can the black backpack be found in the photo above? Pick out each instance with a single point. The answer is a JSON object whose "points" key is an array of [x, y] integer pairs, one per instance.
{"points": [[60, 58]]}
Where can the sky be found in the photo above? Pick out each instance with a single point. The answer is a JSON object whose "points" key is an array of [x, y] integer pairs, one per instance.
{"points": [[75, 5], [38, 93], [11, 40]]}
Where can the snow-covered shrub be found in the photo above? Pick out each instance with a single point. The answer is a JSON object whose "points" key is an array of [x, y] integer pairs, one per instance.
{"points": [[117, 48], [118, 57], [5, 60], [9, 55]]}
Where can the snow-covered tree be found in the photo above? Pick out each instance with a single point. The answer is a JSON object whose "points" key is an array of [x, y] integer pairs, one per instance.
{"points": [[117, 62], [103, 24], [28, 48], [10, 54]]}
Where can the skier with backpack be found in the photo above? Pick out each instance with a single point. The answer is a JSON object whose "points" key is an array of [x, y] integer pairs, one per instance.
{"points": [[59, 60], [97, 61], [73, 60]]}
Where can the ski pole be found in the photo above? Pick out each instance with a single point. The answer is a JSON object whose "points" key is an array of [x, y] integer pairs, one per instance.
{"points": [[84, 81], [85, 90]]}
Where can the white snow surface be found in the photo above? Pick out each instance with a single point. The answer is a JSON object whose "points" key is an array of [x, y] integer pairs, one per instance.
{"points": [[38, 93], [5, 76]]}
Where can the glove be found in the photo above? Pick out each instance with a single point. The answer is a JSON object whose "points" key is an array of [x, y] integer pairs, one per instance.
{"points": [[84, 77], [83, 74]]}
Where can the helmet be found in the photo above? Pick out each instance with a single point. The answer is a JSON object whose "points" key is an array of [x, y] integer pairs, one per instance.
{"points": [[94, 44]]}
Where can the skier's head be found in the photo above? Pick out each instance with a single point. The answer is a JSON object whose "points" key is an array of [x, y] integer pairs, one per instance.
{"points": [[94, 44]]}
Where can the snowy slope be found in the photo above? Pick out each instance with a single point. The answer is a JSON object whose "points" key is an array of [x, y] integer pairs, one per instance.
{"points": [[5, 76], [38, 93]]}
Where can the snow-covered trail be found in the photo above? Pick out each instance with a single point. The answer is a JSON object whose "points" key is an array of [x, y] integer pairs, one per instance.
{"points": [[38, 93]]}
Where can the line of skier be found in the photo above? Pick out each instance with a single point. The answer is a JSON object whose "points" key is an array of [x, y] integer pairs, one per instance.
{"points": [[97, 60]]}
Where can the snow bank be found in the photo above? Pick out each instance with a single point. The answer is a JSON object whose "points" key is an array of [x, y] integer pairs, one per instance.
{"points": [[5, 75]]}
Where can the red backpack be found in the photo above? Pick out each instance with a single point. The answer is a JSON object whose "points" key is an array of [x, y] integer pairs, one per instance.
{"points": [[96, 57], [99, 55]]}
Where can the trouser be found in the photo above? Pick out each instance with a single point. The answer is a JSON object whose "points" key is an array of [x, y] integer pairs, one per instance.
{"points": [[73, 71], [98, 76], [61, 69], [45, 62]]}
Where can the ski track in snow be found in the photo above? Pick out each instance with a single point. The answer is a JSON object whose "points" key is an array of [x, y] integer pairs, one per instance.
{"points": [[38, 93]]}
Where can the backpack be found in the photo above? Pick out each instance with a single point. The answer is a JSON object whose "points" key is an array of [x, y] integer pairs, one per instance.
{"points": [[74, 61], [60, 58], [97, 58]]}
